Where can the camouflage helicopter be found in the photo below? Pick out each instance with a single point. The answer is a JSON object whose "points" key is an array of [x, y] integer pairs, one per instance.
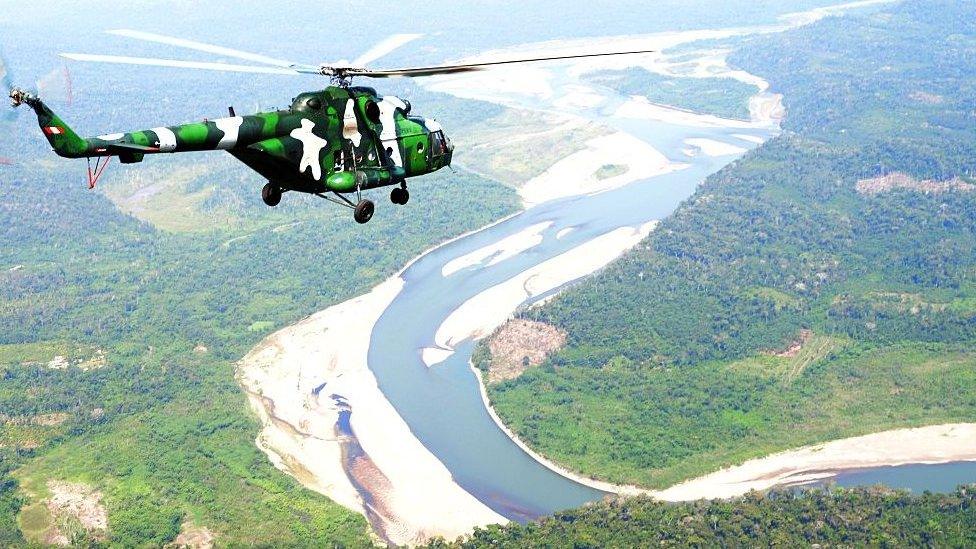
{"points": [[331, 143]]}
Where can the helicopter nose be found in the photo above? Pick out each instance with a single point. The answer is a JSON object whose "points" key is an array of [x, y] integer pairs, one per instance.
{"points": [[448, 149]]}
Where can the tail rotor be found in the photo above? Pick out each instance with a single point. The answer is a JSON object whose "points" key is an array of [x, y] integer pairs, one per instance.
{"points": [[55, 85]]}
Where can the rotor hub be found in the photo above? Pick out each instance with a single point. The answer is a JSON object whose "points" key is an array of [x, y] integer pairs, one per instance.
{"points": [[18, 97]]}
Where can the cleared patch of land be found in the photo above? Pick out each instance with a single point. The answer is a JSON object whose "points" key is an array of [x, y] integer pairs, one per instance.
{"points": [[193, 536], [899, 180], [52, 354], [521, 344], [63, 512]]}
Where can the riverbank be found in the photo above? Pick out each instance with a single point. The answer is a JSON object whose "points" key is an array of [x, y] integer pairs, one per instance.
{"points": [[609, 487], [299, 379], [930, 445]]}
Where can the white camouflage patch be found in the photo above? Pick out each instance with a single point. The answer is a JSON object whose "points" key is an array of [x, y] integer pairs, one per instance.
{"points": [[350, 125], [312, 145], [388, 136], [231, 128], [167, 139]]}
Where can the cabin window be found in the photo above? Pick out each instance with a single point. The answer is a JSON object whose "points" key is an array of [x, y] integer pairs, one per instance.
{"points": [[372, 112], [314, 103], [420, 148]]}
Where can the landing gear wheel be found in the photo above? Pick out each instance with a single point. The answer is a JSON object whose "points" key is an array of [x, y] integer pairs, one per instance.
{"points": [[399, 196], [271, 194], [364, 211]]}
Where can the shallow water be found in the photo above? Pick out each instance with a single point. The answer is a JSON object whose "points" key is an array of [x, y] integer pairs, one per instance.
{"points": [[944, 477]]}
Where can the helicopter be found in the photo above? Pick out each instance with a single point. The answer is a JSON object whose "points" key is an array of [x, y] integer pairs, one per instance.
{"points": [[331, 143]]}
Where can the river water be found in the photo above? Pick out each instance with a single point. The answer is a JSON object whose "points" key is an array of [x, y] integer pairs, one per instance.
{"points": [[442, 404], [943, 477]]}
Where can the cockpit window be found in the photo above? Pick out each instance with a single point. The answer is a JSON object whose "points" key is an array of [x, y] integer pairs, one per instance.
{"points": [[438, 145]]}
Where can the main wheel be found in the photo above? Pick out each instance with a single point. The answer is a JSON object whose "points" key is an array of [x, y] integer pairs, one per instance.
{"points": [[399, 195], [364, 211], [271, 194]]}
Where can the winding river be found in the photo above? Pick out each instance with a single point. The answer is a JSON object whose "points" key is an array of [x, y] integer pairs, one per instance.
{"points": [[442, 404]]}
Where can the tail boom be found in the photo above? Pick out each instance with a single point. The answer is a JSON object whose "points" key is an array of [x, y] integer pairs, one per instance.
{"points": [[219, 134]]}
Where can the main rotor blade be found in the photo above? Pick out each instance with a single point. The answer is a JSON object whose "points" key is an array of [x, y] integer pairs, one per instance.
{"points": [[383, 48], [200, 46], [5, 78], [175, 63], [451, 69]]}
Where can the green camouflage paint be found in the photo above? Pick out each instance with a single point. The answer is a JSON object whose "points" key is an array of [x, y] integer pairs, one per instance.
{"points": [[313, 146]]}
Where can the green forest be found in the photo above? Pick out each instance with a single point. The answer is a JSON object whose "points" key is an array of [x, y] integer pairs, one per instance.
{"points": [[722, 97], [867, 517], [675, 362]]}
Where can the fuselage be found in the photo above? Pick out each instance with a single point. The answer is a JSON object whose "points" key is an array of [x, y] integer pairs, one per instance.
{"points": [[338, 139]]}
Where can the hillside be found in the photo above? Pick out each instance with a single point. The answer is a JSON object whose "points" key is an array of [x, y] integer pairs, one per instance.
{"points": [[821, 287]]}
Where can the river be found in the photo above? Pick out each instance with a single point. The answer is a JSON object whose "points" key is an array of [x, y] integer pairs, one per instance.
{"points": [[442, 404]]}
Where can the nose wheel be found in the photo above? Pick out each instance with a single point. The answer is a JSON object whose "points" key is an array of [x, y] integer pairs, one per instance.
{"points": [[271, 194], [400, 195], [364, 211]]}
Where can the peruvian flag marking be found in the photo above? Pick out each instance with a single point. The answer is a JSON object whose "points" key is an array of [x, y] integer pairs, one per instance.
{"points": [[53, 130]]}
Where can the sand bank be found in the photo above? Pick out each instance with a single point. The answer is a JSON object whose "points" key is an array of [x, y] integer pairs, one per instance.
{"points": [[497, 252], [298, 380], [933, 444], [480, 315], [523, 86], [711, 147], [577, 173], [640, 108], [799, 19], [750, 138]]}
